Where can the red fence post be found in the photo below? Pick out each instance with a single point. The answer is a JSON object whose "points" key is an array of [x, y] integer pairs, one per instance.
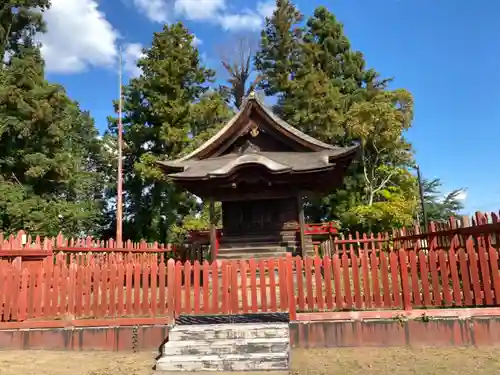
{"points": [[290, 287], [405, 285]]}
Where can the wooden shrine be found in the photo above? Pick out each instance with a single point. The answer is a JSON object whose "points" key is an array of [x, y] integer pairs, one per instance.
{"points": [[260, 168]]}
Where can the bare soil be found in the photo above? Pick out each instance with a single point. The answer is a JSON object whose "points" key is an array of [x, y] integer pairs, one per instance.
{"points": [[357, 361]]}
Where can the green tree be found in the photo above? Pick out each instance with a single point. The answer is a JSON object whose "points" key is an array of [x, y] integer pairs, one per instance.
{"points": [[327, 91], [163, 109], [280, 51], [20, 20], [50, 158], [441, 207]]}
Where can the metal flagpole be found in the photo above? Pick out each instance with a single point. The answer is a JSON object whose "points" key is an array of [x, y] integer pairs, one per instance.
{"points": [[119, 181]]}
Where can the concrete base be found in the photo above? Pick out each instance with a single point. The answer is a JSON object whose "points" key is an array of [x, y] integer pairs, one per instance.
{"points": [[227, 347]]}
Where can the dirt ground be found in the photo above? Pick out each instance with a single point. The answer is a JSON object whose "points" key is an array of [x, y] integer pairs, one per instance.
{"points": [[362, 361]]}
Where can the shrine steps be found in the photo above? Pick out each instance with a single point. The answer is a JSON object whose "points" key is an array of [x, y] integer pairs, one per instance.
{"points": [[251, 252], [227, 347]]}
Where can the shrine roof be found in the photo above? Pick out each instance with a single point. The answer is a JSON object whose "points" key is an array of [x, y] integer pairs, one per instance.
{"points": [[274, 162], [252, 102]]}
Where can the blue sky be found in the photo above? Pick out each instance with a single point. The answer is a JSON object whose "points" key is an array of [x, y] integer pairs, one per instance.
{"points": [[445, 52]]}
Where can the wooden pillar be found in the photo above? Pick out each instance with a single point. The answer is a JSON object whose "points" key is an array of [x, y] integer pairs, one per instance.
{"points": [[213, 231], [302, 226]]}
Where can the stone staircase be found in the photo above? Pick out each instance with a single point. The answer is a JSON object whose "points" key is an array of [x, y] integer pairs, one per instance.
{"points": [[261, 247], [227, 347], [250, 247]]}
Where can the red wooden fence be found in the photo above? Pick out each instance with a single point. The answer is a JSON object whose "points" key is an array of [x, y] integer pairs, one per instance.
{"points": [[121, 286]]}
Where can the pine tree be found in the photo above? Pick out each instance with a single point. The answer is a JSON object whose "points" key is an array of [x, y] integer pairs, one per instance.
{"points": [[163, 109]]}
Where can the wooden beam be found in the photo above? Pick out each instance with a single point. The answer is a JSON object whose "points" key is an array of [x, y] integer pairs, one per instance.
{"points": [[302, 225], [213, 231]]}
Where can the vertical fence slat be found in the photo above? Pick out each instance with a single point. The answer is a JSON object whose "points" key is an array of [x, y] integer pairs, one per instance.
{"points": [[129, 288], [215, 288], [253, 285], [485, 271], [282, 284], [465, 277], [395, 282], [187, 287], [405, 285], [300, 284], [154, 286], [367, 297], [493, 258], [162, 297], [244, 286], [375, 279], [291, 287], [358, 297], [339, 295], [347, 280], [234, 288], [445, 282], [206, 293], [262, 285], [436, 288], [327, 263], [309, 280], [318, 283], [474, 272], [455, 280], [271, 269], [196, 287], [171, 288]]}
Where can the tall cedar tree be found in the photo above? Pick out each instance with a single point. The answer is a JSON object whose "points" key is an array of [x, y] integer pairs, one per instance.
{"points": [[326, 91], [163, 109], [280, 54], [49, 154]]}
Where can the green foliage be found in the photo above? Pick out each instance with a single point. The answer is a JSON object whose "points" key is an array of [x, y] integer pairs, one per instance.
{"points": [[20, 20], [49, 154], [441, 207], [326, 90], [280, 52], [197, 220], [163, 109]]}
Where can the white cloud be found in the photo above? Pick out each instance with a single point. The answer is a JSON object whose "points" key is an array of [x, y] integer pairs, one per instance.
{"points": [[462, 195], [199, 10], [266, 8], [196, 41], [154, 10], [78, 37], [241, 21], [214, 11], [248, 19], [131, 53]]}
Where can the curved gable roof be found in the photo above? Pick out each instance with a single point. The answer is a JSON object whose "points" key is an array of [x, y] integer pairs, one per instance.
{"points": [[281, 125]]}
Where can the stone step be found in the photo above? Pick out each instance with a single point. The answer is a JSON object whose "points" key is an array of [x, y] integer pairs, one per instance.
{"points": [[279, 372], [231, 255], [220, 347], [252, 248], [226, 362], [251, 239], [206, 332]]}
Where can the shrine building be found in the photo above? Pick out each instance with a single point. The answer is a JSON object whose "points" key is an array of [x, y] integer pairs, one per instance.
{"points": [[260, 168]]}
